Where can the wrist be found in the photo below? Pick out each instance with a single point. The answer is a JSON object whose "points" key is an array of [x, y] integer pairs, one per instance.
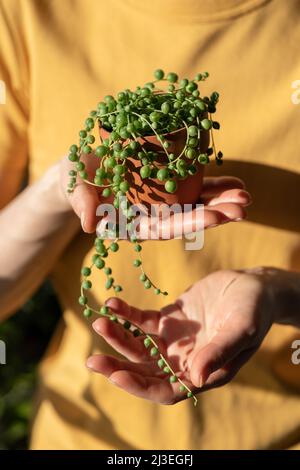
{"points": [[283, 292], [49, 193]]}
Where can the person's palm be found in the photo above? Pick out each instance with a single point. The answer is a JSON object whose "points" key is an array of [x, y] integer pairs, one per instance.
{"points": [[206, 336]]}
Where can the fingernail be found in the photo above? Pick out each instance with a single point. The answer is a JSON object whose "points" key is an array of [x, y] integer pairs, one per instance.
{"points": [[246, 195], [213, 225], [82, 220], [202, 381], [89, 363], [95, 325], [204, 377], [239, 219]]}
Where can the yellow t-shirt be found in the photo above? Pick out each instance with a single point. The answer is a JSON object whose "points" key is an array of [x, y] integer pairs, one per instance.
{"points": [[58, 59]]}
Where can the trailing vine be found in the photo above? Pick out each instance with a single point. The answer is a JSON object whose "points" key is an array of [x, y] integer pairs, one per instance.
{"points": [[157, 110]]}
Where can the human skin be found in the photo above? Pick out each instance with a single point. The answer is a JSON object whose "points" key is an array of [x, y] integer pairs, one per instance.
{"points": [[224, 199], [41, 219], [212, 330], [207, 335], [221, 337]]}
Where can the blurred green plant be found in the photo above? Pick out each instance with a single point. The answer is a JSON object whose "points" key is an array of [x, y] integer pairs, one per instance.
{"points": [[26, 335]]}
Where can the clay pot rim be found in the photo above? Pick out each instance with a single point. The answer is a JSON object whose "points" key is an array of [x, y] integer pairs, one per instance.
{"points": [[177, 131], [156, 92]]}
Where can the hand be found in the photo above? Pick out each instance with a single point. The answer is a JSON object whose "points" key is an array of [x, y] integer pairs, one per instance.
{"points": [[224, 198], [206, 336]]}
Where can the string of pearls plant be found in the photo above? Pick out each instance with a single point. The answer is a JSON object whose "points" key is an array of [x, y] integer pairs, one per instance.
{"points": [[159, 108]]}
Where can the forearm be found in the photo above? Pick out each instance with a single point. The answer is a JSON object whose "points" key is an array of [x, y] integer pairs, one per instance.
{"points": [[35, 228]]}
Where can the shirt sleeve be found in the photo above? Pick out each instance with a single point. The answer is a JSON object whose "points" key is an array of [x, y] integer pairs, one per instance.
{"points": [[14, 98]]}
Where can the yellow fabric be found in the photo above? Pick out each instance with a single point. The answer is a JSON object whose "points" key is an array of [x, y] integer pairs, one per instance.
{"points": [[59, 58]]}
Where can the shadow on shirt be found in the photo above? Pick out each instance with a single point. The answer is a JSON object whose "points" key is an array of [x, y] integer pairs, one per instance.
{"points": [[275, 192]]}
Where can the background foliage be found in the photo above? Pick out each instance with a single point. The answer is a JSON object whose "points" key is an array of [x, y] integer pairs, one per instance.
{"points": [[26, 335]]}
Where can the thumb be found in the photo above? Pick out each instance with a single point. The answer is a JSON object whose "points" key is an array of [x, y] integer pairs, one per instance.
{"points": [[84, 198], [222, 349], [84, 201]]}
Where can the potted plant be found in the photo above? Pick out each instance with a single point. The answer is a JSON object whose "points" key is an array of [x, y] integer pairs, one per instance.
{"points": [[154, 145]]}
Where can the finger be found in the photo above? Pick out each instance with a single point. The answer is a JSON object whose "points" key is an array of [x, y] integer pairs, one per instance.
{"points": [[136, 379], [214, 218], [226, 212], [148, 320], [153, 388], [84, 199], [213, 185], [236, 196], [107, 365], [121, 340], [211, 216], [182, 223], [157, 390], [228, 372], [224, 347]]}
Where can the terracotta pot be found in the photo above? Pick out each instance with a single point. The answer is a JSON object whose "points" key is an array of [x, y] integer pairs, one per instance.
{"points": [[151, 191]]}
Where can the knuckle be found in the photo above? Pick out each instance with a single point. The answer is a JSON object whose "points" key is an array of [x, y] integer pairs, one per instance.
{"points": [[169, 402], [223, 382], [250, 331]]}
